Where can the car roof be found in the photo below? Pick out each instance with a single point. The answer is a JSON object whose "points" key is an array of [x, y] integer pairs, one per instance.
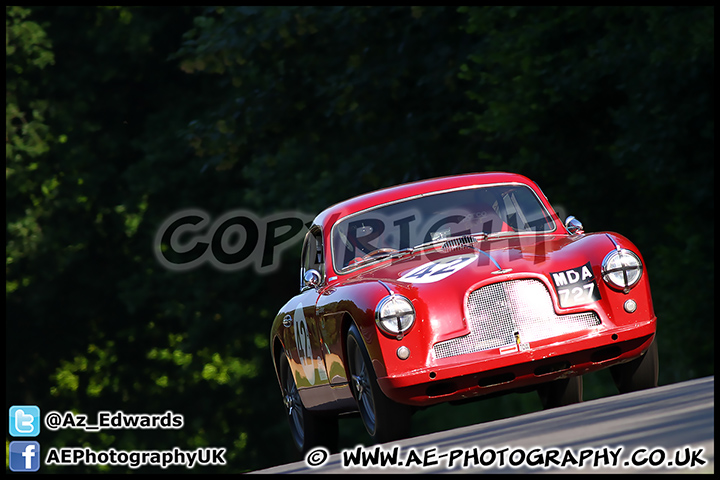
{"points": [[406, 190]]}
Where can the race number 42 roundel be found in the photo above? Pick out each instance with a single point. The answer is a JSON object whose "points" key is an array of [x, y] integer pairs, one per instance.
{"points": [[437, 270], [302, 343]]}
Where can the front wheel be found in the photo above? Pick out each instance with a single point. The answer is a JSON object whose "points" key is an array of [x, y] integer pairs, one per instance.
{"points": [[559, 393], [308, 429], [384, 419], [637, 374]]}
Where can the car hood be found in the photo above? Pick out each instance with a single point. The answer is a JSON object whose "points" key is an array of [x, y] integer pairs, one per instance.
{"points": [[438, 281], [517, 254]]}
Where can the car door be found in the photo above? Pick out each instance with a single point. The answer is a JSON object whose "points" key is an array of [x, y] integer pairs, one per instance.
{"points": [[303, 339]]}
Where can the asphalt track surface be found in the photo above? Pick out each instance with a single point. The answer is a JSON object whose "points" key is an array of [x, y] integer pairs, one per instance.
{"points": [[650, 431]]}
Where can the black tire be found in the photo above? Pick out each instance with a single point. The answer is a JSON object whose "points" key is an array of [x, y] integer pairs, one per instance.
{"points": [[384, 419], [637, 374], [559, 393], [308, 429]]}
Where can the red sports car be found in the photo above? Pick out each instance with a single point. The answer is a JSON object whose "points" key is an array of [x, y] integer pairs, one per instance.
{"points": [[449, 289]]}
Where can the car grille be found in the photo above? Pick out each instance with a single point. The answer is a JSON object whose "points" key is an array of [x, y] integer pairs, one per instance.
{"points": [[497, 311]]}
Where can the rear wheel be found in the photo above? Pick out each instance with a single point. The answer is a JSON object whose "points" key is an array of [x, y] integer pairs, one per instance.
{"points": [[637, 374], [384, 419], [308, 429], [559, 393]]}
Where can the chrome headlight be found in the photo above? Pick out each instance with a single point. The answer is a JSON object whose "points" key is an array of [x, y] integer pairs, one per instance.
{"points": [[395, 315], [621, 269]]}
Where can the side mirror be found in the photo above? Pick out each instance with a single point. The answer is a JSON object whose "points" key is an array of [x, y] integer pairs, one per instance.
{"points": [[573, 225], [312, 278]]}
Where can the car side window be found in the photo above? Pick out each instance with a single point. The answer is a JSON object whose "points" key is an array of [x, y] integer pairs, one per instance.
{"points": [[524, 212], [312, 255]]}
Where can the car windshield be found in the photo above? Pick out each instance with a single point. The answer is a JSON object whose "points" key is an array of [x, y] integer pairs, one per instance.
{"points": [[386, 229]]}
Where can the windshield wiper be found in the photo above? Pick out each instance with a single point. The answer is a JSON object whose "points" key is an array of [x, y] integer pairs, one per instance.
{"points": [[395, 254], [448, 244], [384, 256]]}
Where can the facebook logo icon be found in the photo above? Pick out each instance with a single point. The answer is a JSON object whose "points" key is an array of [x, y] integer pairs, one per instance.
{"points": [[24, 421], [24, 456]]}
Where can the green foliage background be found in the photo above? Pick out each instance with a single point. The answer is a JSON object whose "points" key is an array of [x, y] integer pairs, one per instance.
{"points": [[117, 117]]}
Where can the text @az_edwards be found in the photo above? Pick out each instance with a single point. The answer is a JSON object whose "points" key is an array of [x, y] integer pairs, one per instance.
{"points": [[113, 420]]}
